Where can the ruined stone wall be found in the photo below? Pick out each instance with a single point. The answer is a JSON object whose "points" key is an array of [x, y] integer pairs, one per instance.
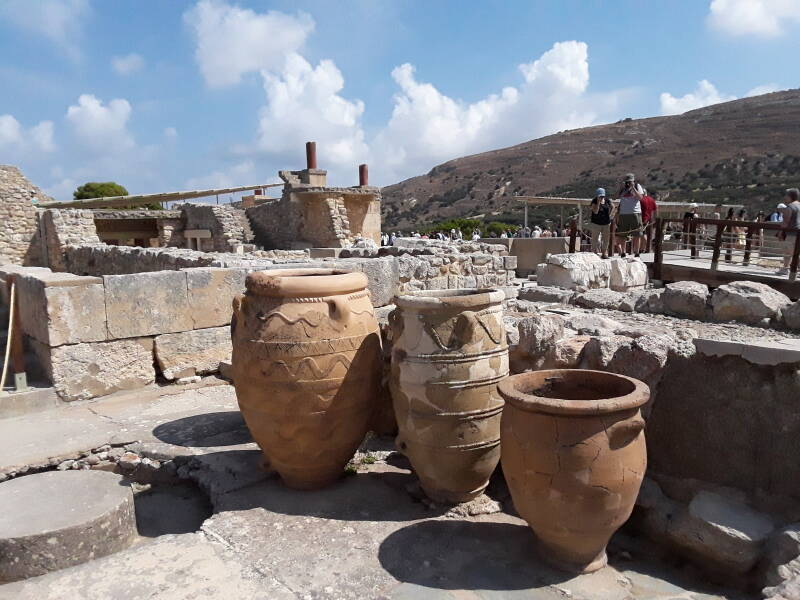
{"points": [[228, 225], [19, 238], [117, 260], [275, 223], [170, 233], [65, 227]]}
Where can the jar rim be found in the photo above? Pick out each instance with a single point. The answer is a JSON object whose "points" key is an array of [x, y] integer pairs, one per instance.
{"points": [[308, 282]]}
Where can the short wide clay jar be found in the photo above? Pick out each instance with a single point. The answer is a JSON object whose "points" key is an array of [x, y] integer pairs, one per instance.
{"points": [[306, 367], [449, 351], [573, 454]]}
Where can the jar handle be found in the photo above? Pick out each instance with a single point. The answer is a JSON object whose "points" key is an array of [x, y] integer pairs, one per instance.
{"points": [[624, 432], [341, 309]]}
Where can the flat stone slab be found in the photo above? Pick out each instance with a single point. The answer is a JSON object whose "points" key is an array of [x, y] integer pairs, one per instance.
{"points": [[763, 353], [58, 519]]}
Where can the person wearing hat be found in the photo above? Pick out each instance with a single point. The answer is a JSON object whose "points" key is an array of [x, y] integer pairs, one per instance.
{"points": [[791, 227], [629, 214], [600, 222]]}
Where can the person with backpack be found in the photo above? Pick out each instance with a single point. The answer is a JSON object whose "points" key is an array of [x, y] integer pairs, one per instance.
{"points": [[629, 215], [600, 222]]}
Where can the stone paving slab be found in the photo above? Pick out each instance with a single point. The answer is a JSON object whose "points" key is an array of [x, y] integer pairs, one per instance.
{"points": [[364, 537], [174, 567], [34, 439]]}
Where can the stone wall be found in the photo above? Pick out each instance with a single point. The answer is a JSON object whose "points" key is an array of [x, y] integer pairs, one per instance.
{"points": [[19, 239], [93, 336], [64, 227], [228, 225], [118, 260], [310, 214]]}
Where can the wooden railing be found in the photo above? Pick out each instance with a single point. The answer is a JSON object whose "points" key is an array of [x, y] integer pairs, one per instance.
{"points": [[723, 239]]}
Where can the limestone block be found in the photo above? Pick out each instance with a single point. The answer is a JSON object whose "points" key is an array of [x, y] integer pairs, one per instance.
{"points": [[53, 520], [571, 271], [565, 353], [509, 263], [194, 352], [543, 293], [627, 274], [147, 304], [686, 299], [83, 371], [721, 531], [61, 308], [747, 301], [382, 276], [210, 294]]}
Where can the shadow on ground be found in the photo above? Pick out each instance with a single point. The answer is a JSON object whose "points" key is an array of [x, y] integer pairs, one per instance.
{"points": [[466, 555], [373, 496], [165, 509], [209, 429]]}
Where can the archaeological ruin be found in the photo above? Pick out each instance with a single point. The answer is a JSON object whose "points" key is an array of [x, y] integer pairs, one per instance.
{"points": [[259, 400]]}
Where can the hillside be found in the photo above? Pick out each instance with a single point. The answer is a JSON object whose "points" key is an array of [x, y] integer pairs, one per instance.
{"points": [[745, 151]]}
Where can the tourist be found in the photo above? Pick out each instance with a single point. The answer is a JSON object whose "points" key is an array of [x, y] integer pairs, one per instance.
{"points": [[776, 216], [791, 223], [600, 222], [629, 214], [392, 239], [741, 232], [504, 235], [717, 214], [649, 209]]}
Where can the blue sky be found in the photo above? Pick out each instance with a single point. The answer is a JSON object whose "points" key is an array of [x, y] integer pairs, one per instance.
{"points": [[174, 95]]}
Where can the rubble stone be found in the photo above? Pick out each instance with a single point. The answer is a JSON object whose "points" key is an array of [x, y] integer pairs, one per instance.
{"points": [[545, 293], [727, 534], [591, 324], [147, 304], [747, 301], [791, 315], [781, 560], [573, 271], [194, 352], [686, 299], [648, 301], [602, 298], [538, 332]]}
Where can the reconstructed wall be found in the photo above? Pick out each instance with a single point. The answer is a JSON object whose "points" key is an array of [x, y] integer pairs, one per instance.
{"points": [[19, 240]]}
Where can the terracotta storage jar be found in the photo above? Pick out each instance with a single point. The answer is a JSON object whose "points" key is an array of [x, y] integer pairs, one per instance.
{"points": [[306, 367], [448, 354], [574, 457]]}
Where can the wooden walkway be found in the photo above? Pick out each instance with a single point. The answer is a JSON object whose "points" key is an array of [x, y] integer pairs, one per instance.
{"points": [[678, 265]]}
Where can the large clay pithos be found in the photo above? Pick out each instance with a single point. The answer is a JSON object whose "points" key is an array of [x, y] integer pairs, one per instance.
{"points": [[306, 367], [573, 454], [449, 353]]}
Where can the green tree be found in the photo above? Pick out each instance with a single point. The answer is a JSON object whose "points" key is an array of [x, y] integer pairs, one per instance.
{"points": [[95, 189]]}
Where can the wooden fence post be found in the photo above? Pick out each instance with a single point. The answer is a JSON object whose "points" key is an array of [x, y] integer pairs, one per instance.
{"points": [[717, 247], [658, 258]]}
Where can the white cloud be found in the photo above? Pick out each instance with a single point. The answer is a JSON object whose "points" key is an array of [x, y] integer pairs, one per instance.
{"points": [[428, 127], [243, 173], [767, 88], [766, 18], [101, 128], [704, 95], [14, 137], [60, 21], [232, 41], [125, 65], [303, 103], [170, 133]]}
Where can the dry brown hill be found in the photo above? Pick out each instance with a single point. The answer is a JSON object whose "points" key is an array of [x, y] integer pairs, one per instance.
{"points": [[745, 151]]}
